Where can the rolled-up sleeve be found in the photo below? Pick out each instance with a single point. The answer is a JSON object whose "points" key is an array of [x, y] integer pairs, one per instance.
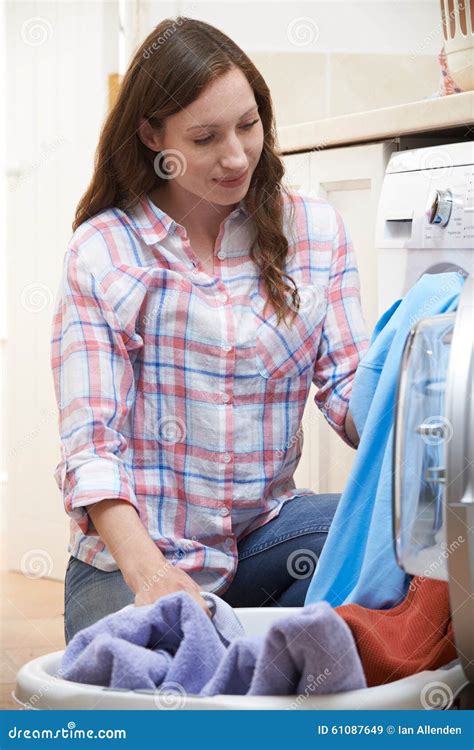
{"points": [[94, 386], [344, 338]]}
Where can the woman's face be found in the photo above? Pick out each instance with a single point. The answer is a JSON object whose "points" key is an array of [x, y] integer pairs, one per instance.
{"points": [[217, 137]]}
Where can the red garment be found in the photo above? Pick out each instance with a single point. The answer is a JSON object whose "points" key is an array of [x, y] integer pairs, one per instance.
{"points": [[398, 642]]}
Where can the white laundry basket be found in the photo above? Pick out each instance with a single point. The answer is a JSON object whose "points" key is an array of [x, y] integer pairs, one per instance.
{"points": [[39, 687]]}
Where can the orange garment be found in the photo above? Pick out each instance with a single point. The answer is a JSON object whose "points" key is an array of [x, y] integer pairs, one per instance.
{"points": [[413, 636]]}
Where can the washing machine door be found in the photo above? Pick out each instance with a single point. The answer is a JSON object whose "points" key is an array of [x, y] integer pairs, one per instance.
{"points": [[433, 482]]}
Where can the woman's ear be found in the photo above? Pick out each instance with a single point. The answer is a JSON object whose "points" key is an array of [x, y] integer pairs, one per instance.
{"points": [[148, 135]]}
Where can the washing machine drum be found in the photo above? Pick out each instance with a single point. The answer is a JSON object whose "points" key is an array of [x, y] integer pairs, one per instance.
{"points": [[433, 481]]}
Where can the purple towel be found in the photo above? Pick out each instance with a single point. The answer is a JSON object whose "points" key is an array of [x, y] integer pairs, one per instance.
{"points": [[236, 670], [311, 652], [173, 642], [307, 653]]}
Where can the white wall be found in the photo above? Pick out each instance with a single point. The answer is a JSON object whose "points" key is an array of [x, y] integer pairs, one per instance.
{"points": [[3, 187], [58, 59], [375, 26]]}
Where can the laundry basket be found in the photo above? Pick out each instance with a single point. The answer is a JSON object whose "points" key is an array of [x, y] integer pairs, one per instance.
{"points": [[38, 686]]}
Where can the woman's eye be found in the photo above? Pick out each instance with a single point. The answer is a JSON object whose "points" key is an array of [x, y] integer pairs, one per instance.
{"points": [[247, 126], [250, 124], [203, 140]]}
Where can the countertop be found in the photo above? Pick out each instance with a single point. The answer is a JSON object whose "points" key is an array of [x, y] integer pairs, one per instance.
{"points": [[453, 111]]}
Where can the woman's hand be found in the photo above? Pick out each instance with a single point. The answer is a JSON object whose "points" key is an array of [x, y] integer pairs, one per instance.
{"points": [[164, 578], [145, 569]]}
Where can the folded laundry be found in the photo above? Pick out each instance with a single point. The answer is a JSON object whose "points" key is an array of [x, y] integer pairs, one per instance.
{"points": [[414, 636], [357, 564], [172, 642]]}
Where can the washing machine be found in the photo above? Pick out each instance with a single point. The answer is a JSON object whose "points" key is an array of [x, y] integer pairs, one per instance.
{"points": [[424, 220], [433, 478]]}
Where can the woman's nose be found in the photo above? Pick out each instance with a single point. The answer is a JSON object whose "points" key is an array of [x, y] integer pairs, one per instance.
{"points": [[233, 156]]}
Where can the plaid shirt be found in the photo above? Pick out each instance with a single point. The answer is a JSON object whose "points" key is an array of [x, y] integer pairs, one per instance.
{"points": [[175, 391]]}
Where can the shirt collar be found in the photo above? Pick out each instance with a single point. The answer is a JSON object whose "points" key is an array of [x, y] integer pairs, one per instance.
{"points": [[153, 224]]}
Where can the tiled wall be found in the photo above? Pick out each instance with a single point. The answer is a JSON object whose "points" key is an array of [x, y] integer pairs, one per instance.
{"points": [[335, 84], [327, 57]]}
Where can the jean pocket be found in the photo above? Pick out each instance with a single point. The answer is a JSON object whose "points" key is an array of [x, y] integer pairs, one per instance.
{"points": [[284, 351]]}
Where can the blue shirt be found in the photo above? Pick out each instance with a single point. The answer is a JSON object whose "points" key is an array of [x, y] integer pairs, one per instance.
{"points": [[358, 564]]}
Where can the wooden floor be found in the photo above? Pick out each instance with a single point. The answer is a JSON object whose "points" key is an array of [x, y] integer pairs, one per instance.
{"points": [[31, 624]]}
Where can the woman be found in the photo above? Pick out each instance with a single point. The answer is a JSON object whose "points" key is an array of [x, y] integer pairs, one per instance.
{"points": [[199, 300]]}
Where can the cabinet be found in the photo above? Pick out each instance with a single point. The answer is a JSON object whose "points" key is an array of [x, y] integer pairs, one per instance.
{"points": [[350, 178]]}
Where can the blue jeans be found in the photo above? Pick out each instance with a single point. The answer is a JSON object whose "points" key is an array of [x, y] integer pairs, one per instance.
{"points": [[276, 564]]}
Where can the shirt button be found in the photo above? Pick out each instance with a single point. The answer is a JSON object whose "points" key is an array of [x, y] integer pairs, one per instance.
{"points": [[228, 543], [226, 457], [221, 254], [222, 297], [225, 511], [227, 347], [225, 397]]}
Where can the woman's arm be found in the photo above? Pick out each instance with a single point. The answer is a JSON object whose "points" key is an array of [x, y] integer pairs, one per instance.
{"points": [[95, 389], [120, 528], [145, 569], [344, 339]]}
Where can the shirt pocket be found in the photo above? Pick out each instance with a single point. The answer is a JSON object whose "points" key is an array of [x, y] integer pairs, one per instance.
{"points": [[288, 351]]}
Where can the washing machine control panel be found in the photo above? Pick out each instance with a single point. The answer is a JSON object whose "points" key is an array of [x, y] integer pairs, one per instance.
{"points": [[425, 217], [440, 206]]}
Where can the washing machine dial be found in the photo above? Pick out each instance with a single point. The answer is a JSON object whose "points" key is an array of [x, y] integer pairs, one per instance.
{"points": [[440, 206]]}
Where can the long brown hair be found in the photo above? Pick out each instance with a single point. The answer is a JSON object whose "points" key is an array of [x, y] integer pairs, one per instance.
{"points": [[177, 60]]}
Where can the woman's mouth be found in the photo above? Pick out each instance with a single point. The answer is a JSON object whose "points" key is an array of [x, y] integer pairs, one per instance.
{"points": [[235, 182]]}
